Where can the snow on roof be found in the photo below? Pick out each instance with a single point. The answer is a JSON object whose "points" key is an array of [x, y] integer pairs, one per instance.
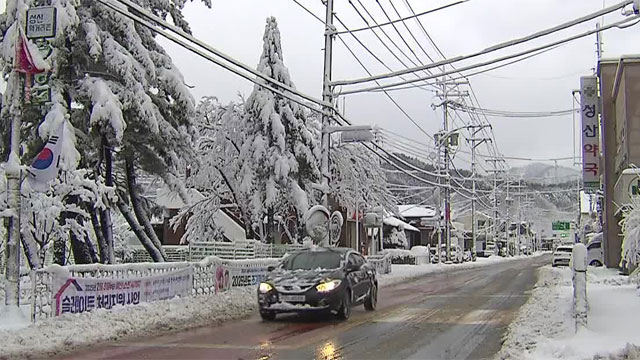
{"points": [[392, 221], [416, 211], [171, 200], [631, 171]]}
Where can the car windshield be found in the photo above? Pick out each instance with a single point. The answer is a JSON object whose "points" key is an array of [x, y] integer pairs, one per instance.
{"points": [[564, 249], [313, 260]]}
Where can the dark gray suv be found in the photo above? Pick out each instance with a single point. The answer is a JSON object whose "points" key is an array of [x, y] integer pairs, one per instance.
{"points": [[319, 279]]}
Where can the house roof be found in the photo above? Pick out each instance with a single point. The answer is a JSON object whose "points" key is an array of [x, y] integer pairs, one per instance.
{"points": [[392, 221], [416, 211], [171, 200]]}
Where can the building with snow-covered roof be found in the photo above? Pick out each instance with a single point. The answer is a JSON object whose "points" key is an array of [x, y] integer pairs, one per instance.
{"points": [[425, 219]]}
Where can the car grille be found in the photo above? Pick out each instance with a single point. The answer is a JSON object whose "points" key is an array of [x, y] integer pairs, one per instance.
{"points": [[293, 289]]}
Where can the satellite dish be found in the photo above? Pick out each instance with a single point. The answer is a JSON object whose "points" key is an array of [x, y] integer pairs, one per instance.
{"points": [[322, 227]]}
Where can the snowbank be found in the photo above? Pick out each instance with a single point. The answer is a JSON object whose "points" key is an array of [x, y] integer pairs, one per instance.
{"points": [[401, 273], [14, 318], [68, 332], [544, 327], [546, 314]]}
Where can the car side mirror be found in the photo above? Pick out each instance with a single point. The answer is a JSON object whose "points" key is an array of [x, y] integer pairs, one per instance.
{"points": [[271, 268], [352, 267]]}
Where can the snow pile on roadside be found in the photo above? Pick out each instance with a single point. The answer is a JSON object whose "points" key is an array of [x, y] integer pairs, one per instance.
{"points": [[613, 318], [401, 273], [72, 331], [546, 314], [545, 328], [14, 319], [629, 352]]}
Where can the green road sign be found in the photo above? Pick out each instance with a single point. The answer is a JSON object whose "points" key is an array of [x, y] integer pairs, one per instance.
{"points": [[561, 225]]}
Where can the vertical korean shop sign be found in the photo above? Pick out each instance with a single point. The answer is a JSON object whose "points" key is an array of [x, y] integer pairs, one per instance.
{"points": [[589, 110]]}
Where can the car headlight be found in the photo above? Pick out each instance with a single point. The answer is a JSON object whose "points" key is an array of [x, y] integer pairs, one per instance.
{"points": [[265, 287], [328, 285]]}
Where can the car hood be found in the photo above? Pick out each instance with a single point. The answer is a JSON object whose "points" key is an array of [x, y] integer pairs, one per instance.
{"points": [[280, 277]]}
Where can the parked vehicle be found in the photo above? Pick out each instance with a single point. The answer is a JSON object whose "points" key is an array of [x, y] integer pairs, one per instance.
{"points": [[595, 255], [562, 255], [457, 255], [318, 279]]}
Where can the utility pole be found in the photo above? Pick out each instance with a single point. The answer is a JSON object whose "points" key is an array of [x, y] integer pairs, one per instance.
{"points": [[475, 142], [519, 215], [447, 189], [495, 171], [446, 138], [327, 97]]}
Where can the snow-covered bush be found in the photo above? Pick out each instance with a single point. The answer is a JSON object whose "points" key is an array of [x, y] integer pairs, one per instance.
{"points": [[396, 239], [400, 256], [631, 233]]}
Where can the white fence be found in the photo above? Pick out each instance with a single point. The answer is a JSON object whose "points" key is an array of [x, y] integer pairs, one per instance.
{"points": [[223, 265], [382, 263], [249, 249], [205, 277]]}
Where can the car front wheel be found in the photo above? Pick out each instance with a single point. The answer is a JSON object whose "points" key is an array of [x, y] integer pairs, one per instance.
{"points": [[372, 300], [345, 310]]}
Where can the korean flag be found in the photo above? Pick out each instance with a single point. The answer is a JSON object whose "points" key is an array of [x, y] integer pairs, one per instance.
{"points": [[45, 166]]}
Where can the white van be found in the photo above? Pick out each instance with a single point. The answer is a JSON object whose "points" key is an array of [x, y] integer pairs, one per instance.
{"points": [[595, 255]]}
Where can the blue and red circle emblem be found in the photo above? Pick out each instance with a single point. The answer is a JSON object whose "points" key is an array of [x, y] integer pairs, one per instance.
{"points": [[44, 159]]}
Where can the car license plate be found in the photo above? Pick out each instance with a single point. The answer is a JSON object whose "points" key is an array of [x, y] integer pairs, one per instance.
{"points": [[292, 298]]}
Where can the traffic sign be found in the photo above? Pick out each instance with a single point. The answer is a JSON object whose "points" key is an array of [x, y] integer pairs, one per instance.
{"points": [[41, 22], [561, 225]]}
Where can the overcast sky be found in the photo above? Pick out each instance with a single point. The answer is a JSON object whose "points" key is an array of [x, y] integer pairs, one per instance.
{"points": [[542, 83]]}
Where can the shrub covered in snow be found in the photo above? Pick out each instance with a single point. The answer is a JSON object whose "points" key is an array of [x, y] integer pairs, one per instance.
{"points": [[631, 231], [396, 239], [400, 256]]}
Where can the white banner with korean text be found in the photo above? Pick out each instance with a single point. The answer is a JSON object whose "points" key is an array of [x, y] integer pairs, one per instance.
{"points": [[78, 295], [233, 276], [589, 111]]}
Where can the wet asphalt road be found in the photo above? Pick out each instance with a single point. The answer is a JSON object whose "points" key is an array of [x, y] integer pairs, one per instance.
{"points": [[462, 314]]}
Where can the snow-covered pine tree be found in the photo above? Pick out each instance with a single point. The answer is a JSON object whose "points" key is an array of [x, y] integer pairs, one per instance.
{"points": [[279, 155], [105, 69]]}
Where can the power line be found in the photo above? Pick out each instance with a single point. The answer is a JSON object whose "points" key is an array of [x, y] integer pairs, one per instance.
{"points": [[495, 47], [473, 66], [480, 72], [507, 113], [210, 49], [406, 18]]}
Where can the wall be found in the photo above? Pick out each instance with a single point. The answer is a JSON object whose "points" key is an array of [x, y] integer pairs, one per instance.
{"points": [[620, 131], [606, 74]]}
